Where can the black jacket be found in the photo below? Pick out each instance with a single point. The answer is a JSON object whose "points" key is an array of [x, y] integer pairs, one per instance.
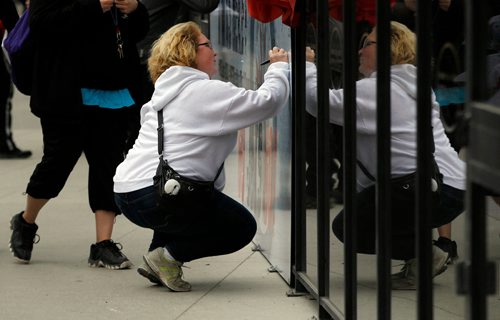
{"points": [[76, 48], [8, 14]]}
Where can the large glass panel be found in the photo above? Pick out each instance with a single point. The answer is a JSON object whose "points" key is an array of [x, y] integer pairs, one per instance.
{"points": [[263, 150], [493, 204]]}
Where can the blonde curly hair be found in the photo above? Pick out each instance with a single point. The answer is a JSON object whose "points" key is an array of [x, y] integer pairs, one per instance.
{"points": [[176, 47], [403, 44]]}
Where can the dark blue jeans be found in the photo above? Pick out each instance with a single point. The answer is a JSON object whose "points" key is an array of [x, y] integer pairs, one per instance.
{"points": [[402, 220], [202, 227]]}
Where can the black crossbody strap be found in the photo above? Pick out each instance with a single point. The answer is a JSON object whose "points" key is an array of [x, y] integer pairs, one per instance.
{"points": [[365, 171], [161, 133], [372, 178]]}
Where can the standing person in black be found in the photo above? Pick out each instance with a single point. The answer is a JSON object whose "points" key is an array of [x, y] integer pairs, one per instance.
{"points": [[84, 84], [8, 149]]}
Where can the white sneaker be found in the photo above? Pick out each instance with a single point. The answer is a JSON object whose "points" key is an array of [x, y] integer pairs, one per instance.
{"points": [[168, 271], [439, 260], [406, 279]]}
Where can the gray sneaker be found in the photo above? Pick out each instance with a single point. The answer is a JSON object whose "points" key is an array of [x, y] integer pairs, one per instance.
{"points": [[439, 261], [168, 271], [406, 279], [145, 271]]}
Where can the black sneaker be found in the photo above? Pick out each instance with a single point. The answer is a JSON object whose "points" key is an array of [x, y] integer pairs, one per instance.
{"points": [[14, 153], [449, 247], [23, 237], [108, 254]]}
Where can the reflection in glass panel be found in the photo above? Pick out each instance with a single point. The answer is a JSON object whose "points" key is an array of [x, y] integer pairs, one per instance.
{"points": [[493, 203], [312, 245], [264, 150], [334, 133], [493, 60], [448, 54], [493, 248]]}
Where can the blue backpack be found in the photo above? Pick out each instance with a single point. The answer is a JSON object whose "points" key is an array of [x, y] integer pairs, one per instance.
{"points": [[20, 49]]}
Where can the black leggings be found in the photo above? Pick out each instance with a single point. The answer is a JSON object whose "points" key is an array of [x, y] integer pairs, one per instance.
{"points": [[6, 92], [100, 134]]}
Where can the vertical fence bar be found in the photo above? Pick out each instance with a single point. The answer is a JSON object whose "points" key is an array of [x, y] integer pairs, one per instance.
{"points": [[383, 161], [323, 154], [476, 308], [476, 91], [476, 39], [350, 73], [298, 162], [424, 153]]}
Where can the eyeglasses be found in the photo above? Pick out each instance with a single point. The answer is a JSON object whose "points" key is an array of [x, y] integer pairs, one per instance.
{"points": [[206, 44], [367, 43]]}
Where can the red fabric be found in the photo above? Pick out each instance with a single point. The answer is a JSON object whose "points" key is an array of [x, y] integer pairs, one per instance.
{"points": [[2, 30], [269, 10], [365, 10]]}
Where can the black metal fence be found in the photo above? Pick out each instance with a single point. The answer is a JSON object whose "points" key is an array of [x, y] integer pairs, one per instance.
{"points": [[480, 125]]}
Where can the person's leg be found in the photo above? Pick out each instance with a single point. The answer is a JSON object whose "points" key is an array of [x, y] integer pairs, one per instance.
{"points": [[8, 149], [5, 100], [218, 225], [452, 204], [105, 134], [445, 231], [223, 226], [33, 207], [104, 220], [497, 200], [62, 148], [402, 225], [141, 208], [365, 225]]}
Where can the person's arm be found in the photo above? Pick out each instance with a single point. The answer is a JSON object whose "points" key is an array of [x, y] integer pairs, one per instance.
{"points": [[336, 97], [233, 108], [138, 20], [311, 83]]}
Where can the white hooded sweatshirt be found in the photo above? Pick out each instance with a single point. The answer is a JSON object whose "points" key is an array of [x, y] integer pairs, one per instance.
{"points": [[403, 125], [201, 120]]}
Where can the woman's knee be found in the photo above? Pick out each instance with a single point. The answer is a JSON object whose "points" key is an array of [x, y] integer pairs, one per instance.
{"points": [[249, 229], [338, 226]]}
